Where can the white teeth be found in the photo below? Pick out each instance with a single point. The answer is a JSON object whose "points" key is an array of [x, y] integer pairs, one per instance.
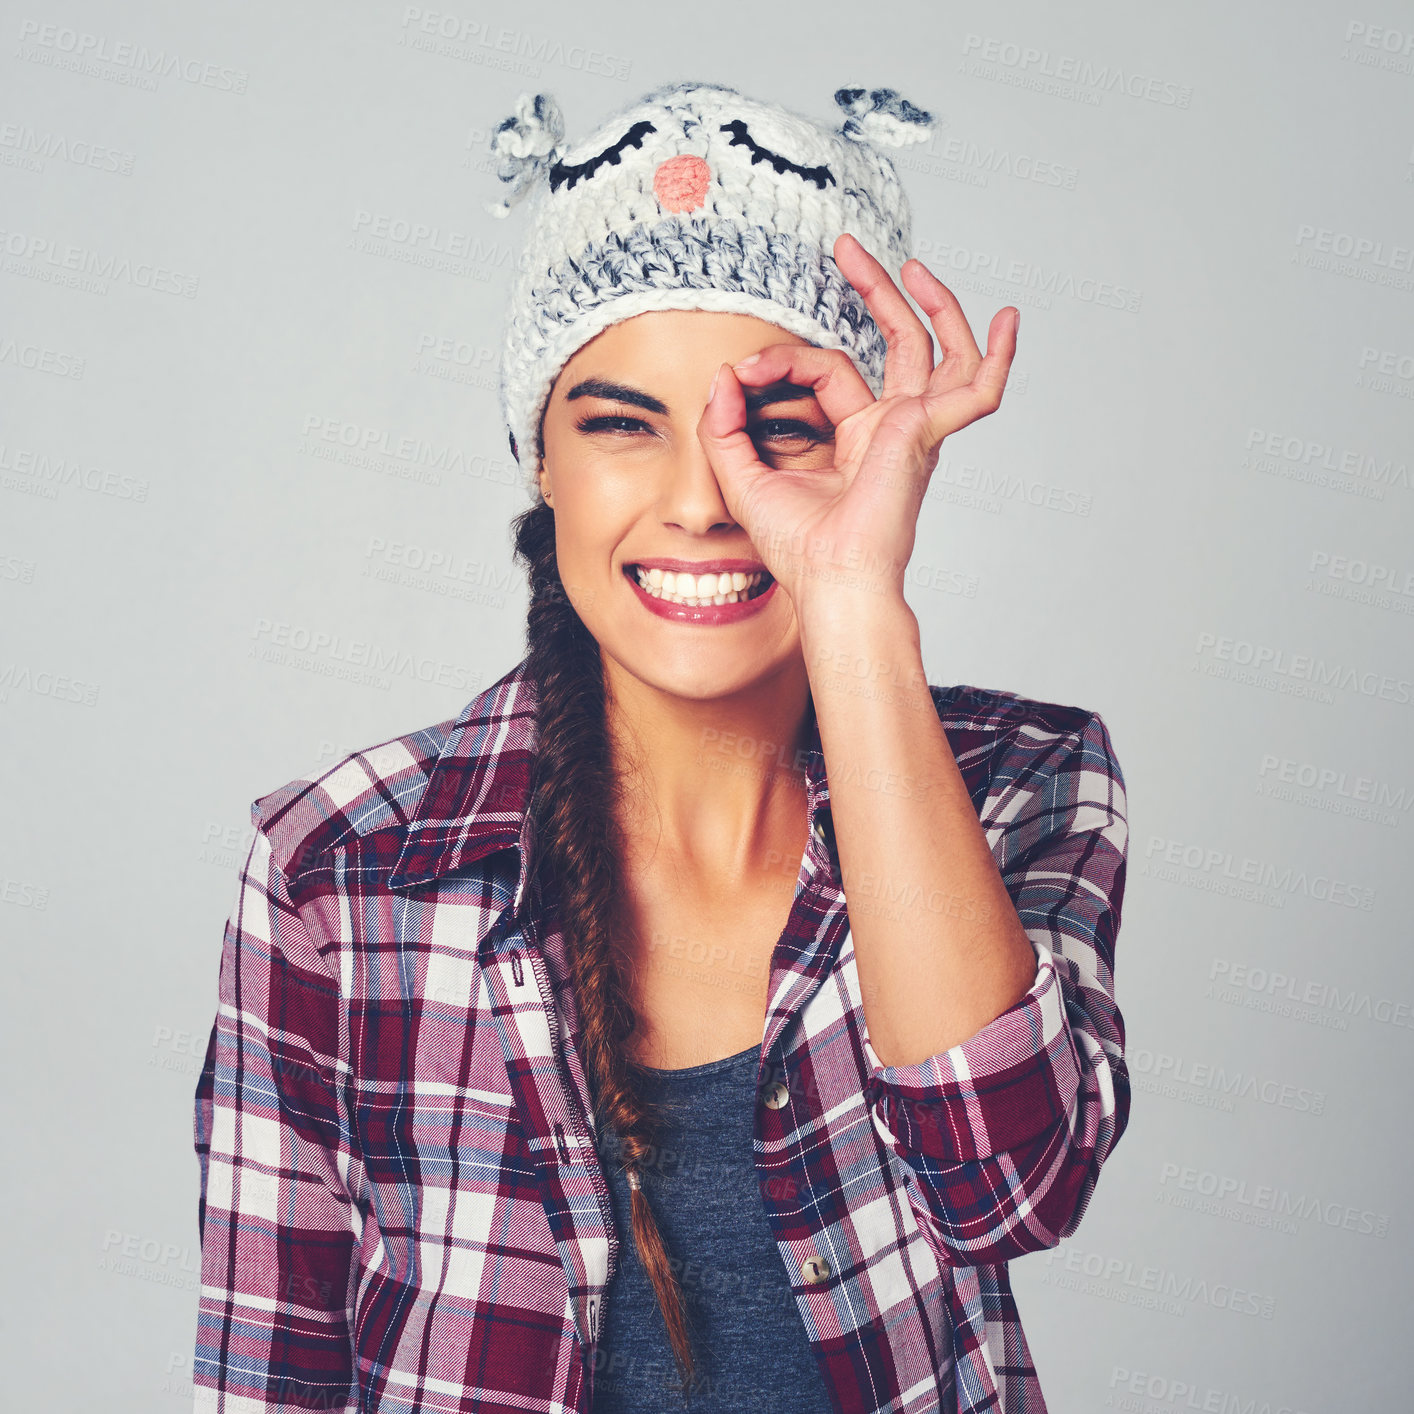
{"points": [[682, 587]]}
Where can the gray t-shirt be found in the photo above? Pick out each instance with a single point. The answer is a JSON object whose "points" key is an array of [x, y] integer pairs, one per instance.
{"points": [[749, 1344]]}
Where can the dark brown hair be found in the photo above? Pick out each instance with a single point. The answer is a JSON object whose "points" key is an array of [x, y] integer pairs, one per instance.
{"points": [[573, 791]]}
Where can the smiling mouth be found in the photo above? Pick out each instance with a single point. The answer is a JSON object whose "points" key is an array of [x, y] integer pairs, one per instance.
{"points": [[697, 590]]}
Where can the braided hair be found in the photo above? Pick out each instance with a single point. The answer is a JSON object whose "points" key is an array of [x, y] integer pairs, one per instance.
{"points": [[572, 793]]}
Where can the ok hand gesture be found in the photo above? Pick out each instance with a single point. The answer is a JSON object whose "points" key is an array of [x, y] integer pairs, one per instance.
{"points": [[853, 524]]}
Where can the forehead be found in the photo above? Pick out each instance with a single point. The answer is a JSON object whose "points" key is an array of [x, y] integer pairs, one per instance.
{"points": [[645, 355], [671, 352]]}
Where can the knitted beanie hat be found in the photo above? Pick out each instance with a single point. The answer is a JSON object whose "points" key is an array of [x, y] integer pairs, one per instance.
{"points": [[694, 197]]}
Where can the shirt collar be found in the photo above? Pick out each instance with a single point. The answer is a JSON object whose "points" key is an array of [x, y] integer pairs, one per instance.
{"points": [[478, 789]]}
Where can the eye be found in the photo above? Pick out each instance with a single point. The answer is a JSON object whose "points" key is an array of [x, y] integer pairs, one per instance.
{"points": [[562, 174], [611, 422], [766, 429], [819, 175], [789, 429]]}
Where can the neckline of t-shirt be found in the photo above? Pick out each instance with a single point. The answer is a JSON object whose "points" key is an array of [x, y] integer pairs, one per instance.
{"points": [[706, 1068]]}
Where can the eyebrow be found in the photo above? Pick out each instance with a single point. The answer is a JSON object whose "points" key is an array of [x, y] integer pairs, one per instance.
{"points": [[623, 393]]}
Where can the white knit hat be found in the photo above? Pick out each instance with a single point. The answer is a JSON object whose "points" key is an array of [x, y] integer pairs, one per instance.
{"points": [[695, 197]]}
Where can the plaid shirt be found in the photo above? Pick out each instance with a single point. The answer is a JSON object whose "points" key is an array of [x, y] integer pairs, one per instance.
{"points": [[402, 1201]]}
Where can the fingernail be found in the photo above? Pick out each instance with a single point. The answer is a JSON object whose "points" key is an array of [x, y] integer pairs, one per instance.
{"points": [[747, 361], [712, 391]]}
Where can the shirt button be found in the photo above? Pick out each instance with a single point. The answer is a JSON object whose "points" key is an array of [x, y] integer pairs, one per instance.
{"points": [[776, 1096], [814, 1270]]}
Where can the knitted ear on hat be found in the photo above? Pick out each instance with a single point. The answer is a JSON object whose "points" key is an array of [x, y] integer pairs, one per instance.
{"points": [[528, 144], [883, 117]]}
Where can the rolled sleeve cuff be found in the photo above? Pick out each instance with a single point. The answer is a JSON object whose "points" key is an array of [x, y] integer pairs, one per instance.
{"points": [[1016, 1078]]}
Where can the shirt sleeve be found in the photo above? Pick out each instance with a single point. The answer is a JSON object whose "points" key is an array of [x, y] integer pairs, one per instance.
{"points": [[1003, 1135], [275, 1218]]}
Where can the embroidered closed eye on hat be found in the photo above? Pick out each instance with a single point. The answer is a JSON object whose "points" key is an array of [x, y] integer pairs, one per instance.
{"points": [[694, 197]]}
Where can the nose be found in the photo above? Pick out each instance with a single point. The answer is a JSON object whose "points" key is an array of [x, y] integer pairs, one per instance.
{"points": [[689, 497], [680, 183]]}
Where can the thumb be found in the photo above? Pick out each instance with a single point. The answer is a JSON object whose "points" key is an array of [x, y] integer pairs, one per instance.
{"points": [[722, 431]]}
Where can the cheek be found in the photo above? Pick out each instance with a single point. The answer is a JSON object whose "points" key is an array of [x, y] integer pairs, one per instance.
{"points": [[588, 530], [597, 499], [575, 539]]}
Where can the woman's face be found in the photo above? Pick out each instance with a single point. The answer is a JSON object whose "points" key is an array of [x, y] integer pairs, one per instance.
{"points": [[632, 489]]}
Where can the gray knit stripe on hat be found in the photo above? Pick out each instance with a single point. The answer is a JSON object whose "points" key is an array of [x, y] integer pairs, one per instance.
{"points": [[694, 197]]}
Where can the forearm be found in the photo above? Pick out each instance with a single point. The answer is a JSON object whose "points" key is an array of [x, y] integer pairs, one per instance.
{"points": [[949, 953]]}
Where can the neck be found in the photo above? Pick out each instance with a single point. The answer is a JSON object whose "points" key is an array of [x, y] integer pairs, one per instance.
{"points": [[711, 783]]}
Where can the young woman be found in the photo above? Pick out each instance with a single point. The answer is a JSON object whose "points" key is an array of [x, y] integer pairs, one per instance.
{"points": [[714, 1007]]}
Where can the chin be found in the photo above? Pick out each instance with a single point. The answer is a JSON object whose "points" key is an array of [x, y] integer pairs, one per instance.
{"points": [[699, 672]]}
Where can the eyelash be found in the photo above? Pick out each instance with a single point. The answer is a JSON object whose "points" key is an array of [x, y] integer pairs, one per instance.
{"points": [[560, 173], [610, 422], [819, 175]]}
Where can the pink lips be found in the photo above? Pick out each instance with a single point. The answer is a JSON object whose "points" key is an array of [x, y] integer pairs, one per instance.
{"points": [[702, 613]]}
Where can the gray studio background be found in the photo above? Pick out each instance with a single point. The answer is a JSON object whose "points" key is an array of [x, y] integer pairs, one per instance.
{"points": [[249, 315]]}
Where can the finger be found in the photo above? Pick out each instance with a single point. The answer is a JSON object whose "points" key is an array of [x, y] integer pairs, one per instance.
{"points": [[722, 431], [961, 356], [838, 385], [908, 362], [949, 408], [990, 380]]}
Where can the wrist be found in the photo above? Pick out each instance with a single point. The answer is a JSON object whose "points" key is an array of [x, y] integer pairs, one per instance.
{"points": [[862, 635]]}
